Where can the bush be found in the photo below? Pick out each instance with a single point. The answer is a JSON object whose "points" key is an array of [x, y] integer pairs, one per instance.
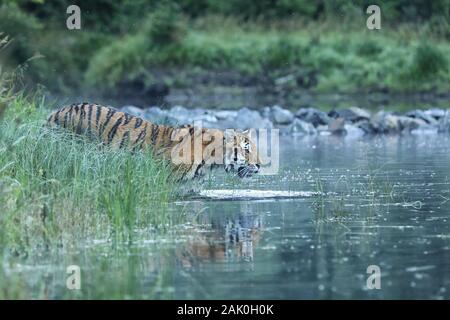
{"points": [[21, 28], [428, 62], [165, 25]]}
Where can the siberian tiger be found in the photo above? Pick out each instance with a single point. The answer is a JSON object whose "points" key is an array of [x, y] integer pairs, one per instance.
{"points": [[234, 150]]}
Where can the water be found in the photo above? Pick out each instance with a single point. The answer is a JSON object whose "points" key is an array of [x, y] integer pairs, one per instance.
{"points": [[382, 201]]}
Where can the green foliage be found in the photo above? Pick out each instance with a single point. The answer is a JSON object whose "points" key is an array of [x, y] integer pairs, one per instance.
{"points": [[136, 41], [428, 61], [21, 28], [164, 26]]}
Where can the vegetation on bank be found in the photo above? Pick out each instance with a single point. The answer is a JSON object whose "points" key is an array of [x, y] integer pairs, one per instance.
{"points": [[294, 44]]}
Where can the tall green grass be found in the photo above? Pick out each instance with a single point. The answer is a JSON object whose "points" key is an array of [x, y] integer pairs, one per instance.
{"points": [[58, 186]]}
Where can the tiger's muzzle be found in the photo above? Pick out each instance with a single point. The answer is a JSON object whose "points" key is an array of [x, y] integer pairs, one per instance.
{"points": [[248, 171]]}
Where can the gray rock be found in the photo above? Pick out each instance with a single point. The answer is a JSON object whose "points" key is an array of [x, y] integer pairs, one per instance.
{"points": [[435, 113], [444, 123], [352, 114], [410, 124], [337, 126], [247, 119], [313, 116], [419, 114], [353, 131], [154, 114], [281, 116], [135, 111], [266, 112], [384, 122], [365, 126], [225, 114], [300, 127]]}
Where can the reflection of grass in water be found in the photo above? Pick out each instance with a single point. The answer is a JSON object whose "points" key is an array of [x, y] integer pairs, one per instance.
{"points": [[350, 196]]}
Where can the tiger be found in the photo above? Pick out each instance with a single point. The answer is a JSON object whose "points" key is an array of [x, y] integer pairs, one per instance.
{"points": [[234, 150]]}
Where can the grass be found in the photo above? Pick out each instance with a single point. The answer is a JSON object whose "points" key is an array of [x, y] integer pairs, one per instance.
{"points": [[323, 58], [370, 188], [60, 192]]}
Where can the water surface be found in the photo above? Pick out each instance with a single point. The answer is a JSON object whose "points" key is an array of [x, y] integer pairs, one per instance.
{"points": [[382, 201]]}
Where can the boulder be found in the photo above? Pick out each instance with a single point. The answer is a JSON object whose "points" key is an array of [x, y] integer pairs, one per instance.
{"points": [[444, 123], [154, 114], [300, 127], [435, 113], [410, 124], [247, 119], [225, 114], [337, 126], [384, 122], [313, 116], [281, 116], [135, 111], [365, 126], [352, 114], [353, 131], [419, 114]]}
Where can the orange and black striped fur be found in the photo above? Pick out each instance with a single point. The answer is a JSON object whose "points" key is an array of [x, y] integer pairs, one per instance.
{"points": [[122, 130]]}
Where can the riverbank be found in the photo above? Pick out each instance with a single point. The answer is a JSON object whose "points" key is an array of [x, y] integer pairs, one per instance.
{"points": [[166, 52]]}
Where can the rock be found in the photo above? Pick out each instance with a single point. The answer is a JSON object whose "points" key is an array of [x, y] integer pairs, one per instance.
{"points": [[444, 123], [247, 119], [352, 114], [300, 127], [313, 116], [337, 126], [365, 126], [266, 112], [225, 114], [384, 122], [281, 116], [435, 113], [410, 124], [353, 131], [135, 111], [154, 114], [419, 114]]}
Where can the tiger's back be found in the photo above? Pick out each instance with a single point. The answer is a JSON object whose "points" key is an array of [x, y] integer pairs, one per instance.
{"points": [[110, 126]]}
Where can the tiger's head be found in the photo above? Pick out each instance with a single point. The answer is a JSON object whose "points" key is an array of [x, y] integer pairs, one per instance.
{"points": [[241, 153]]}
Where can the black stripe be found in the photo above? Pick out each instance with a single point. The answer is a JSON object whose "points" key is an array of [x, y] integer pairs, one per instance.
{"points": [[198, 168], [80, 120], [109, 115], [90, 119], [99, 111], [138, 123], [70, 114], [113, 131], [57, 117], [125, 138], [65, 119], [128, 119], [141, 136], [155, 131]]}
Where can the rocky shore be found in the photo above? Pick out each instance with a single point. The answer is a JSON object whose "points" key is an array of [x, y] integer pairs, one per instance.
{"points": [[352, 121]]}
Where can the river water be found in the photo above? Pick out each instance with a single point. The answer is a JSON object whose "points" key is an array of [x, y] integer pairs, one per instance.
{"points": [[382, 202]]}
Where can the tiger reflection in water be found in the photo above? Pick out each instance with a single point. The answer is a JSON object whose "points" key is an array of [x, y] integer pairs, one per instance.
{"points": [[229, 239]]}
